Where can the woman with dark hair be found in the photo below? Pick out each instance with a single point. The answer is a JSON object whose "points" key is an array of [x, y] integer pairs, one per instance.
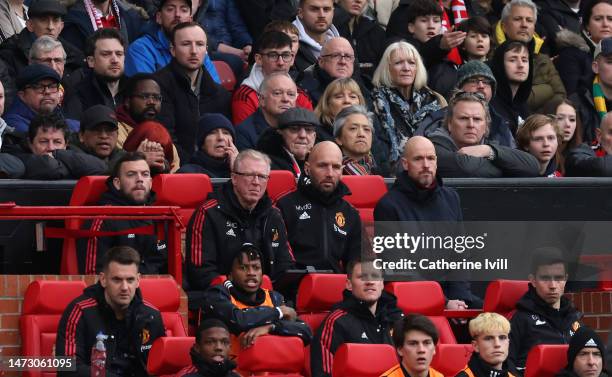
{"points": [[153, 139], [569, 122], [576, 51], [541, 137]]}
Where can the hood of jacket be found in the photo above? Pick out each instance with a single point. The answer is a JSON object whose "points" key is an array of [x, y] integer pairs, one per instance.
{"points": [[306, 186], [211, 369], [115, 197], [567, 38], [255, 78], [332, 32], [500, 37], [385, 308], [503, 85], [409, 187]]}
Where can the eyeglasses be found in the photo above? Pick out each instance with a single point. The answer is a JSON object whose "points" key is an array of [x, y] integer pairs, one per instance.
{"points": [[296, 129], [252, 176], [40, 88], [286, 56], [479, 80], [148, 97], [338, 57]]}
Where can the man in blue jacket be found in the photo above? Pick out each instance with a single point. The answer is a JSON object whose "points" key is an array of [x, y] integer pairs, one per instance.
{"points": [[151, 51]]}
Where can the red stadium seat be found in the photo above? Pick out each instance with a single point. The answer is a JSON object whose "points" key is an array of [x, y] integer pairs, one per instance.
{"points": [[502, 295], [164, 294], [316, 295], [43, 304], [273, 355], [228, 79], [426, 298], [546, 360], [451, 358], [280, 183], [169, 355], [86, 192], [187, 191], [363, 360], [366, 191]]}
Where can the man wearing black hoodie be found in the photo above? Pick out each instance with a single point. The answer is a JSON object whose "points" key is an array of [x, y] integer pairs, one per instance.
{"points": [[543, 315], [317, 207], [365, 315], [128, 185]]}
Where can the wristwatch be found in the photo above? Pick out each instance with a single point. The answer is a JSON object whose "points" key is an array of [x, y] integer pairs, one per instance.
{"points": [[492, 155]]}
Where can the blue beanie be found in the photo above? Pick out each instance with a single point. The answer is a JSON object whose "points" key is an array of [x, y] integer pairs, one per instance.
{"points": [[210, 122]]}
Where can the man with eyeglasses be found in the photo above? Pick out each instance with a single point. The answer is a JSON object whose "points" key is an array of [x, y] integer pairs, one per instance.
{"points": [[50, 52], [543, 315], [336, 61], [37, 93], [272, 55], [240, 211], [104, 80], [289, 144]]}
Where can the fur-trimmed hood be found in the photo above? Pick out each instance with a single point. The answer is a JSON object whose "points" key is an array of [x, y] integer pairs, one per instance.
{"points": [[567, 38]]}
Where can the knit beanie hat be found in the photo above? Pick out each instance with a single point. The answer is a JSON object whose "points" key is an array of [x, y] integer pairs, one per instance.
{"points": [[475, 68], [584, 337], [210, 122]]}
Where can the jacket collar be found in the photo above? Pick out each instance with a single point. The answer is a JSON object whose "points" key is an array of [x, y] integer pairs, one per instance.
{"points": [[409, 187], [306, 186], [500, 36]]}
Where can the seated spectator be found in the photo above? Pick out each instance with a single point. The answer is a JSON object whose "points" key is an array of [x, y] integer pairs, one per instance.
{"points": [[368, 37], [365, 315], [98, 135], [354, 131], [37, 94], [585, 355], [114, 304], [339, 94], [188, 91], [50, 52], [512, 67], [575, 59], [419, 23], [10, 166], [401, 97], [151, 51], [571, 127], [240, 211], [44, 18], [45, 157], [586, 161], [272, 55], [153, 140], [594, 100], [489, 332], [217, 152], [442, 77], [336, 61], [87, 16], [229, 39], [277, 94], [314, 22], [289, 144], [13, 17], [415, 338], [129, 184], [462, 147], [292, 31], [556, 16], [543, 315], [104, 81], [318, 207], [142, 101], [249, 310], [518, 19], [541, 136], [209, 354]]}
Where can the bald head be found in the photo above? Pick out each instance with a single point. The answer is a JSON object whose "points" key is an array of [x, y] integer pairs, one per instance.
{"points": [[332, 63], [324, 166], [420, 161]]}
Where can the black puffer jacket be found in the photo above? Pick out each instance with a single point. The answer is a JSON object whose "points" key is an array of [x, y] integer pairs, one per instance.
{"points": [[202, 163], [574, 61], [65, 164], [90, 251], [91, 90], [128, 343], [535, 322], [335, 222]]}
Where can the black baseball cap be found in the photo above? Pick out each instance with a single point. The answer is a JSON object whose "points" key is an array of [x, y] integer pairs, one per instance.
{"points": [[162, 2], [96, 115], [35, 73]]}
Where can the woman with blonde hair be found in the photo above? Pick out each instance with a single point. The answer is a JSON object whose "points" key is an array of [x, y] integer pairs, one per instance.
{"points": [[401, 96], [339, 94]]}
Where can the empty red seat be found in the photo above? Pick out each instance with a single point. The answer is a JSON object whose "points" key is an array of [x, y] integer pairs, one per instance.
{"points": [[316, 295], [187, 191], [228, 79], [502, 295], [164, 294], [426, 298], [363, 360], [451, 358], [169, 355], [86, 192], [366, 191], [43, 304], [546, 360], [280, 183], [275, 355]]}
